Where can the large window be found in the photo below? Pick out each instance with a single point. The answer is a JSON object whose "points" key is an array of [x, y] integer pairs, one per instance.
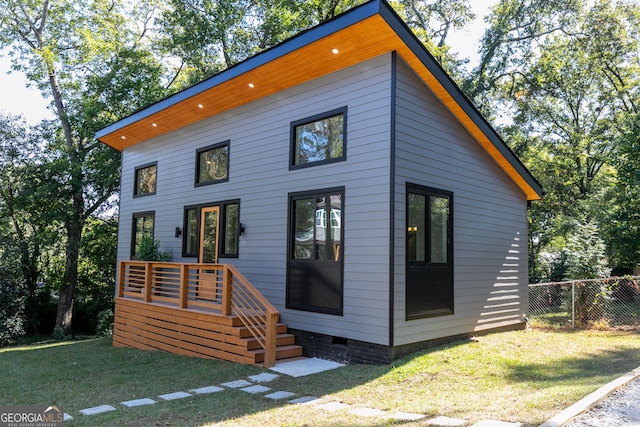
{"points": [[212, 164], [429, 252], [227, 240], [145, 180], [315, 266], [319, 139], [142, 226]]}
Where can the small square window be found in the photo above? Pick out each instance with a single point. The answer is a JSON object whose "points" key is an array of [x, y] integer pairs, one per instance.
{"points": [[319, 139], [145, 180], [212, 164]]}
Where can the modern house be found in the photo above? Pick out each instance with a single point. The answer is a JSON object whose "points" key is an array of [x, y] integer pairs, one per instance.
{"points": [[339, 181]]}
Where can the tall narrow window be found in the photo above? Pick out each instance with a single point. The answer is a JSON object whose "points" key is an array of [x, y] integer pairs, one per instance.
{"points": [[319, 139], [145, 180], [142, 226], [212, 164], [315, 266], [429, 252]]}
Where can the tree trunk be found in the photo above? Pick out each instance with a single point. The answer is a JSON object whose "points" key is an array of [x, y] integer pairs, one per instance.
{"points": [[74, 225]]}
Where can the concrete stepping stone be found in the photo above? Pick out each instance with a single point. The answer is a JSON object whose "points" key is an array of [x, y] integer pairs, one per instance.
{"points": [[305, 400], [368, 412], [333, 406], [263, 377], [405, 416], [206, 390], [496, 423], [237, 384], [174, 396], [446, 422], [138, 402], [97, 410], [255, 389], [280, 395]]}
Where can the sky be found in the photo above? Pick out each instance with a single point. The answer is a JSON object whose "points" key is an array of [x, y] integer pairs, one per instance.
{"points": [[18, 99]]}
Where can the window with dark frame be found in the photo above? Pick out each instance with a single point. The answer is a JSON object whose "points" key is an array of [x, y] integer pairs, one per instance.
{"points": [[228, 243], [315, 263], [319, 139], [145, 180], [429, 252], [212, 164], [143, 224]]}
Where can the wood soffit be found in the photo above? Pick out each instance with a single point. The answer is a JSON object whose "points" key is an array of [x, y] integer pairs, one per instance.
{"points": [[363, 40]]}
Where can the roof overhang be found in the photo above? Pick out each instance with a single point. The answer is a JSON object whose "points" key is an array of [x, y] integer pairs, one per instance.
{"points": [[362, 33]]}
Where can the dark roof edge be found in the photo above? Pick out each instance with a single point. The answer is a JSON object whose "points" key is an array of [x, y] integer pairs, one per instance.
{"points": [[297, 41], [310, 35], [418, 48]]}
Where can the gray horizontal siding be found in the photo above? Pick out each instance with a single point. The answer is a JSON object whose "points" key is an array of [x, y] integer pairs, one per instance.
{"points": [[259, 176], [490, 228]]}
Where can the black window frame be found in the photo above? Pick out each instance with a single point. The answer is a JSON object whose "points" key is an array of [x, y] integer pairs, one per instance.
{"points": [[208, 148], [315, 118], [430, 192], [293, 263], [134, 217], [222, 253], [136, 186]]}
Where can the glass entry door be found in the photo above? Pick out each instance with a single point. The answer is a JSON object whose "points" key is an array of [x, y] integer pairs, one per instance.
{"points": [[429, 286], [209, 226]]}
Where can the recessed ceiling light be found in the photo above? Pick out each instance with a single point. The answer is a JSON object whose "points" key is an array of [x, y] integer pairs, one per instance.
{"points": [[154, 125], [200, 106], [123, 137], [251, 85], [335, 51]]}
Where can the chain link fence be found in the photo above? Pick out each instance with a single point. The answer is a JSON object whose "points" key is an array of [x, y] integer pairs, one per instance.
{"points": [[611, 303]]}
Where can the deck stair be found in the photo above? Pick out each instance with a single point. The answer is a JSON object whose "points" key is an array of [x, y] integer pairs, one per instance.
{"points": [[236, 333], [193, 333]]}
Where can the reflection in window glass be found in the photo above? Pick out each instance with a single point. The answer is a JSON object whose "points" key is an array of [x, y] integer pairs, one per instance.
{"points": [[191, 233], [143, 226], [145, 180], [439, 226], [213, 164], [304, 213], [313, 239], [231, 222], [416, 228], [319, 140]]}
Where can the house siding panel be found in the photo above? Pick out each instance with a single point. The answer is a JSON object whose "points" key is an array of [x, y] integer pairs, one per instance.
{"points": [[260, 178], [490, 226]]}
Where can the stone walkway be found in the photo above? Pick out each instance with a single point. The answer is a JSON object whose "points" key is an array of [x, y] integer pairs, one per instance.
{"points": [[258, 385]]}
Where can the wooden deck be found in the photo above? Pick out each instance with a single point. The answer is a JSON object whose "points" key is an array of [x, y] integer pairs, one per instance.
{"points": [[199, 310]]}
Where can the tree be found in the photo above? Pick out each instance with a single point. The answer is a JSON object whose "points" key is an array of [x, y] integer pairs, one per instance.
{"points": [[93, 64], [22, 231], [563, 75]]}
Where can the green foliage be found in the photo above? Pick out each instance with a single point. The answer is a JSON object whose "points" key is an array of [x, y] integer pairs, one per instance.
{"points": [[150, 250], [105, 323], [586, 256], [12, 316]]}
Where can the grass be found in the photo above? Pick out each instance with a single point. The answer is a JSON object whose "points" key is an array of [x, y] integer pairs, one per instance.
{"points": [[520, 376]]}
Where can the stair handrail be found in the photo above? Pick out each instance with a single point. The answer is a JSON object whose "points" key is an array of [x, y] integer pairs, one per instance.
{"points": [[253, 310]]}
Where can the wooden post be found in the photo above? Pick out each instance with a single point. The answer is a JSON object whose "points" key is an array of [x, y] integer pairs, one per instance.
{"points": [[227, 282], [147, 281], [270, 340], [184, 285], [121, 275]]}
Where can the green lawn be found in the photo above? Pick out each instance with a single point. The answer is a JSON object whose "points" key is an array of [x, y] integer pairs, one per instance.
{"points": [[525, 376]]}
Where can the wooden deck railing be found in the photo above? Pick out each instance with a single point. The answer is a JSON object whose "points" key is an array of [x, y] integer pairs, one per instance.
{"points": [[215, 287]]}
